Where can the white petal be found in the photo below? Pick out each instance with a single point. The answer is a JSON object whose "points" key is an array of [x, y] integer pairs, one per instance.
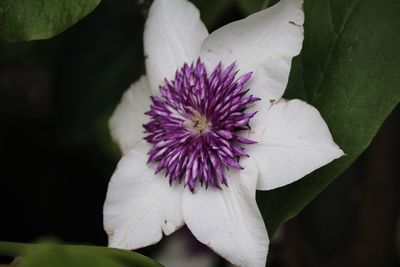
{"points": [[293, 140], [249, 176], [126, 122], [140, 206], [228, 220], [264, 43], [173, 35]]}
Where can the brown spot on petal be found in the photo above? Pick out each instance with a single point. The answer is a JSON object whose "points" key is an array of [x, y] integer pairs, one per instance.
{"points": [[294, 23]]}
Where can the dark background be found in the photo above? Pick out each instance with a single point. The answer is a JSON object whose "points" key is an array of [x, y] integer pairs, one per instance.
{"points": [[56, 155]]}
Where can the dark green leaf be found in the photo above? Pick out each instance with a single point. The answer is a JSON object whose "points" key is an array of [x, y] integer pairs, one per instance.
{"points": [[24, 20], [349, 70], [211, 11], [251, 6], [49, 255]]}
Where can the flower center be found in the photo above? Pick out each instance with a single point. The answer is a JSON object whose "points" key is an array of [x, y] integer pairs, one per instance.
{"points": [[195, 125], [199, 123]]}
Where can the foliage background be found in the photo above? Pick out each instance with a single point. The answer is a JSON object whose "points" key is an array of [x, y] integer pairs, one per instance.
{"points": [[56, 155]]}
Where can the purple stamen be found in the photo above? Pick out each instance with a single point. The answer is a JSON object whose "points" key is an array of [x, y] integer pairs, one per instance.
{"points": [[195, 124]]}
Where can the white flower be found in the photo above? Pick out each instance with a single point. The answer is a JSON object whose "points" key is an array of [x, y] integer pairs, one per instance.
{"points": [[292, 138]]}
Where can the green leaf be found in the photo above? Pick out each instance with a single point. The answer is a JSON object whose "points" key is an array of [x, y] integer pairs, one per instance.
{"points": [[49, 255], [349, 70], [251, 6], [211, 11], [24, 20]]}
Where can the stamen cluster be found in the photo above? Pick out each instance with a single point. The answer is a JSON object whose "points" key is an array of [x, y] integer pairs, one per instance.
{"points": [[195, 124]]}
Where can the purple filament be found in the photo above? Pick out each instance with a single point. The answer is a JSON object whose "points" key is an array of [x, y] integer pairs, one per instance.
{"points": [[195, 124]]}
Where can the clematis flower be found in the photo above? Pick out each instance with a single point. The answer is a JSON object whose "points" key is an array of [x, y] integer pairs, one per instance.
{"points": [[206, 127]]}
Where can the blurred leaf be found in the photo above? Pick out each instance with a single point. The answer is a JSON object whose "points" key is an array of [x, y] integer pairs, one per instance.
{"points": [[211, 11], [251, 6], [348, 70], [24, 20], [110, 42], [50, 255], [103, 138]]}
